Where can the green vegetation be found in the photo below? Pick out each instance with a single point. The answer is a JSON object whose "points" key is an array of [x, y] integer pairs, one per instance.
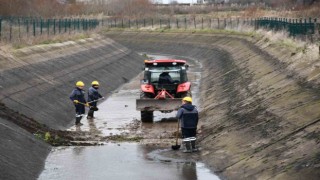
{"points": [[53, 140]]}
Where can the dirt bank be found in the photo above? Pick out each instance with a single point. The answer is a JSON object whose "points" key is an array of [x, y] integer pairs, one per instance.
{"points": [[35, 83], [260, 103]]}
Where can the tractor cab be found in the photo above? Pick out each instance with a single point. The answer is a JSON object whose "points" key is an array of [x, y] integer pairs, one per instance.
{"points": [[165, 74]]}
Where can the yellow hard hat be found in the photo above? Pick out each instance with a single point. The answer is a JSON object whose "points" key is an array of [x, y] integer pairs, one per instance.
{"points": [[95, 83], [79, 84], [188, 99]]}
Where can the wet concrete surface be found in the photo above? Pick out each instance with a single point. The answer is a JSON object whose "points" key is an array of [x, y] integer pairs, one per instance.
{"points": [[148, 159]]}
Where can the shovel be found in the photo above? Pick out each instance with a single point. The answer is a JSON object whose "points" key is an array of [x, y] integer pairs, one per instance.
{"points": [[177, 146]]}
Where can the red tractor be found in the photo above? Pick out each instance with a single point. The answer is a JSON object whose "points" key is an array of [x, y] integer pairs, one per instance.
{"points": [[164, 85]]}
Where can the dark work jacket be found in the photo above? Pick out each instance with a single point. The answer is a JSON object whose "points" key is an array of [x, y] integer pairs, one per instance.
{"points": [[93, 94], [188, 115], [78, 94], [165, 78]]}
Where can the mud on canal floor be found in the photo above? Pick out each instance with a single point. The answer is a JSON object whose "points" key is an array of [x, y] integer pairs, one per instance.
{"points": [[117, 122]]}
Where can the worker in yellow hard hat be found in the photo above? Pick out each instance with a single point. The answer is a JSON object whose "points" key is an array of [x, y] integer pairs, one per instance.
{"points": [[93, 97], [188, 116], [77, 97]]}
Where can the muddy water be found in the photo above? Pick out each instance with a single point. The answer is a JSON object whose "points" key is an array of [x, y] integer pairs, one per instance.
{"points": [[136, 161], [124, 161]]}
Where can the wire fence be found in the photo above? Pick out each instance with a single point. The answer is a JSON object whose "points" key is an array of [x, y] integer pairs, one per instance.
{"points": [[299, 28], [177, 23], [16, 28]]}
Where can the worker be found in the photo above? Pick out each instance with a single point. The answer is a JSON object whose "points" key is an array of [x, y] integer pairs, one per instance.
{"points": [[165, 78], [77, 97], [93, 97], [188, 116]]}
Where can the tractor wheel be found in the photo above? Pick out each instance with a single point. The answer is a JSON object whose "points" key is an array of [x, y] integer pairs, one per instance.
{"points": [[147, 116]]}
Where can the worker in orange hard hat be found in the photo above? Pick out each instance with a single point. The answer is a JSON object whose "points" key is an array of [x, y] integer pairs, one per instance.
{"points": [[77, 97], [189, 117], [93, 97]]}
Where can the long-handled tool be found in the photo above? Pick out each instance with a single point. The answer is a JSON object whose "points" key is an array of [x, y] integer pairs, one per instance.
{"points": [[90, 102], [177, 146]]}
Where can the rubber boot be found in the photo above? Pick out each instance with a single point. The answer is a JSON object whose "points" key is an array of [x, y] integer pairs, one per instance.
{"points": [[78, 119], [90, 114], [193, 144], [187, 145]]}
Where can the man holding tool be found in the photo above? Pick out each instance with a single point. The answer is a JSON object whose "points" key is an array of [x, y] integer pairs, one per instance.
{"points": [[188, 116], [77, 97], [93, 97]]}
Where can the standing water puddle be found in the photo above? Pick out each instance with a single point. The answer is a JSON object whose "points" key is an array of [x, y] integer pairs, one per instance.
{"points": [[126, 160]]}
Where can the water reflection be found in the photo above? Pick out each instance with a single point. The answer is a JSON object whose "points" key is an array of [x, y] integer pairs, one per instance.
{"points": [[120, 161]]}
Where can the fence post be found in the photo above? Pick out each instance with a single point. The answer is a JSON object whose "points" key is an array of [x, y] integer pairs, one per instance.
{"points": [[74, 25], [160, 24], [238, 22], [41, 26], [137, 23], [65, 25], [317, 32], [185, 23], [10, 29], [19, 28], [0, 29], [177, 23], [169, 23], [54, 26], [48, 26], [210, 23], [194, 22], [202, 23], [218, 23], [59, 25], [305, 28], [69, 25], [34, 27]]}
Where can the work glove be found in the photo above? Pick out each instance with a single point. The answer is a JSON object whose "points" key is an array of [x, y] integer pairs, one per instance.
{"points": [[87, 104], [76, 101]]}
